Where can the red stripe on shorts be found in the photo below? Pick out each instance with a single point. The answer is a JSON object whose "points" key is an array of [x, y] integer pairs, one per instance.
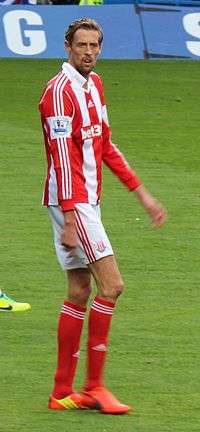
{"points": [[84, 238]]}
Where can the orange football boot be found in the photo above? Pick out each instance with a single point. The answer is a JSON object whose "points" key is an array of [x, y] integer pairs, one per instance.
{"points": [[103, 400]]}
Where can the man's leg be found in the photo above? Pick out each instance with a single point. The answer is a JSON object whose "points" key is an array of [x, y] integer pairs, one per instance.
{"points": [[109, 287], [69, 333]]}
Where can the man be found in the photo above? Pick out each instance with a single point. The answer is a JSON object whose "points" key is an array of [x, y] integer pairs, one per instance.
{"points": [[90, 2], [77, 140], [65, 2], [8, 304]]}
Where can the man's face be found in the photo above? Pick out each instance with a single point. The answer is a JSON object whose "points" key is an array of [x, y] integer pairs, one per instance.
{"points": [[84, 50]]}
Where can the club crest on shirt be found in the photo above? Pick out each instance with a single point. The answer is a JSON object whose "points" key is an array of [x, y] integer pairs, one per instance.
{"points": [[101, 246], [60, 126]]}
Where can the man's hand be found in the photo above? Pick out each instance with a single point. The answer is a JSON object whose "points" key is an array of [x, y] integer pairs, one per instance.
{"points": [[155, 210], [69, 234]]}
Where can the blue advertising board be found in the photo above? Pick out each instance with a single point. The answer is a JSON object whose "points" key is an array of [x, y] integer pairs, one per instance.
{"points": [[169, 31], [130, 31]]}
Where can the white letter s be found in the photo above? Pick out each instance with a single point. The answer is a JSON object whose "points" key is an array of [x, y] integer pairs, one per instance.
{"points": [[191, 23]]}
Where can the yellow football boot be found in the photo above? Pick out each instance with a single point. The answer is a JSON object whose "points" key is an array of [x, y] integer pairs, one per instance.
{"points": [[7, 304], [71, 402]]}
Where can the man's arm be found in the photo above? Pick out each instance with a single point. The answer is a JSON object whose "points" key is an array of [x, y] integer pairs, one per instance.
{"points": [[115, 160], [57, 126], [56, 116], [118, 165], [69, 234], [155, 210]]}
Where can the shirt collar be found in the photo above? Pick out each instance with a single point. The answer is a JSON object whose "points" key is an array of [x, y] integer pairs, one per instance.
{"points": [[75, 76]]}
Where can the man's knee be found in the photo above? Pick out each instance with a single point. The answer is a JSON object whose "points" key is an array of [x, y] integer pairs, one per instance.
{"points": [[79, 286], [112, 290], [79, 295], [108, 278]]}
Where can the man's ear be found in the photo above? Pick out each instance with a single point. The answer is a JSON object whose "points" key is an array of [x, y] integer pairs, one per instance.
{"points": [[67, 47]]}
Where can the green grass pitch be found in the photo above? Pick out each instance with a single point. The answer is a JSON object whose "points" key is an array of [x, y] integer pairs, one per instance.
{"points": [[154, 356]]}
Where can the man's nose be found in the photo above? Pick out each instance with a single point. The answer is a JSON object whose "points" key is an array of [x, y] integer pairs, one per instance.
{"points": [[88, 49]]}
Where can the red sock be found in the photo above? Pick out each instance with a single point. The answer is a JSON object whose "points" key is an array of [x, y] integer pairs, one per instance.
{"points": [[69, 333], [99, 323]]}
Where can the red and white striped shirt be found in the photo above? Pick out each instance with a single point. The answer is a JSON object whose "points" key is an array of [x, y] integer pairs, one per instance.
{"points": [[77, 140]]}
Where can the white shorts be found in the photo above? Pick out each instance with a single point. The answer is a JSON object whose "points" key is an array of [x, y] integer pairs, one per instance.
{"points": [[93, 243]]}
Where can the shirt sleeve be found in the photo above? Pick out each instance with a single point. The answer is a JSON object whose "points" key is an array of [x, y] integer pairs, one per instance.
{"points": [[57, 115], [114, 159]]}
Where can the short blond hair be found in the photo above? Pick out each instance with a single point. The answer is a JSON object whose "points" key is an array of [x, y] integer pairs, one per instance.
{"points": [[83, 23]]}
